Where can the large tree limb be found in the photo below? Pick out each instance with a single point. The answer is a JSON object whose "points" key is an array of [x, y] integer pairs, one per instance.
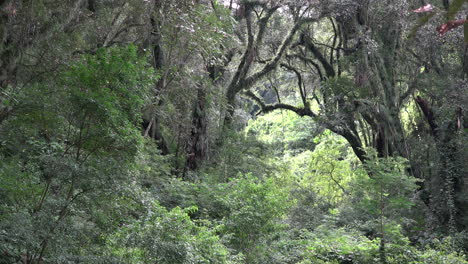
{"points": [[411, 88], [427, 111], [352, 138], [320, 57], [271, 65], [310, 61], [246, 59], [240, 81], [252, 41]]}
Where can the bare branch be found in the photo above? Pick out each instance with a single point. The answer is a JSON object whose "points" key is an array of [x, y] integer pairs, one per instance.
{"points": [[335, 36], [299, 82]]}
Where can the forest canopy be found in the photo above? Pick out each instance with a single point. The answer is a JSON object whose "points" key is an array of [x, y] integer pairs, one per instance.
{"points": [[234, 131]]}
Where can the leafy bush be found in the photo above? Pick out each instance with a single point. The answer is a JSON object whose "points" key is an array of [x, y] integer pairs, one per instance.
{"points": [[257, 208], [167, 237], [69, 147]]}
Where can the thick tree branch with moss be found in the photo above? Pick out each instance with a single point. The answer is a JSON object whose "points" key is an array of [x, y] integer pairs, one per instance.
{"points": [[241, 81]]}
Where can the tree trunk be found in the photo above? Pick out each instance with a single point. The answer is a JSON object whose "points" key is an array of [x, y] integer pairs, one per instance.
{"points": [[196, 146], [451, 167], [151, 120]]}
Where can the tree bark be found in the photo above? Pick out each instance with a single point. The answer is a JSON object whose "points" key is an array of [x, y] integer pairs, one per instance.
{"points": [[241, 80], [196, 147]]}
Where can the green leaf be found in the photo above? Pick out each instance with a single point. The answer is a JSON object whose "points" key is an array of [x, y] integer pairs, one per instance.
{"points": [[455, 6], [465, 32], [421, 22]]}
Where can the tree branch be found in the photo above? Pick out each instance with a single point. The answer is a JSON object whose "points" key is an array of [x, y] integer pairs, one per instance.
{"points": [[320, 57], [411, 88], [271, 65], [299, 82], [307, 60]]}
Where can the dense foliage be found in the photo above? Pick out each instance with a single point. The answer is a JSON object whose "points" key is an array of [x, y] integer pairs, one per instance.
{"points": [[204, 131]]}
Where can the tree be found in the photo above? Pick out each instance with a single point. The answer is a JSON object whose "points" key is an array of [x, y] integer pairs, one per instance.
{"points": [[253, 39], [73, 138], [385, 193], [354, 78]]}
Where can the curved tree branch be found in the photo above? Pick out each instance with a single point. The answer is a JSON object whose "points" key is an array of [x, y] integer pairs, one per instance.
{"points": [[240, 81], [299, 82], [305, 40], [310, 61], [271, 65]]}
